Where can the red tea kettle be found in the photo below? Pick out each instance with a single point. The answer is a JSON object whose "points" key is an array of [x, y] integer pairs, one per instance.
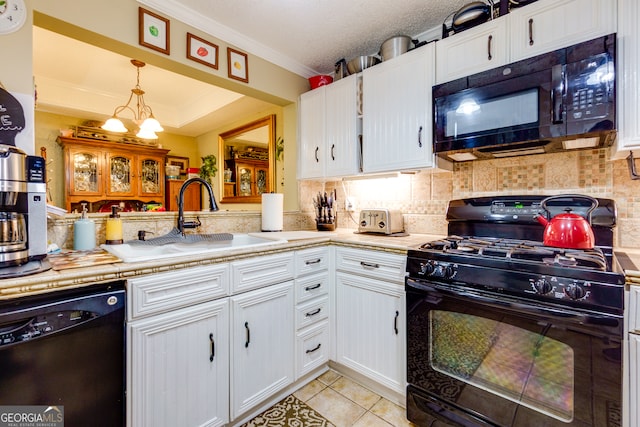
{"points": [[568, 230]]}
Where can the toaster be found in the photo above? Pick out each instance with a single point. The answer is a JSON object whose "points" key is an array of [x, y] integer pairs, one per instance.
{"points": [[381, 221]]}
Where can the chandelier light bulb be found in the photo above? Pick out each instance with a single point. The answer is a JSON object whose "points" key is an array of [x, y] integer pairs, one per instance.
{"points": [[114, 125], [142, 113]]}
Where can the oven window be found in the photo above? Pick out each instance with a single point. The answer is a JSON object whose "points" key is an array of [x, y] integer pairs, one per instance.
{"points": [[523, 366], [471, 116]]}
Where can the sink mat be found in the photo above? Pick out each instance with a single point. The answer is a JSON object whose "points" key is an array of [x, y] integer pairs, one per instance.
{"points": [[174, 236], [76, 259]]}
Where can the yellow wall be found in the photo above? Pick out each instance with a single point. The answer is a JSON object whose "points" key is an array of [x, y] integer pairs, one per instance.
{"points": [[113, 25]]}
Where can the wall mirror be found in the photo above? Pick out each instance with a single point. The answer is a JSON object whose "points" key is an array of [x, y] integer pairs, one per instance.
{"points": [[248, 161]]}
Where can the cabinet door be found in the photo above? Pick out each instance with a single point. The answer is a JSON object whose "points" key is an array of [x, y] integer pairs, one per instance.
{"points": [[311, 117], [343, 128], [634, 380], [262, 180], [120, 175], [628, 81], [472, 51], [551, 24], [179, 370], [262, 345], [150, 176], [84, 169], [192, 195], [397, 129], [370, 325]]}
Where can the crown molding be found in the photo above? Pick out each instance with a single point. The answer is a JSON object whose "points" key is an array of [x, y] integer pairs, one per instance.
{"points": [[196, 20]]}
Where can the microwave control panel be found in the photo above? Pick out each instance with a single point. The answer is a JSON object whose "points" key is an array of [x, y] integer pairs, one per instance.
{"points": [[590, 87]]}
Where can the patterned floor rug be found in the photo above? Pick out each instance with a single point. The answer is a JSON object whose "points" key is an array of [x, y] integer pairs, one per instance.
{"points": [[289, 412]]}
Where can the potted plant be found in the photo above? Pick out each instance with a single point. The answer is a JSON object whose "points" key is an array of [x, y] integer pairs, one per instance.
{"points": [[209, 167]]}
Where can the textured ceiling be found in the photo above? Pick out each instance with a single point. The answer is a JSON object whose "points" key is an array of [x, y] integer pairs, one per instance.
{"points": [[312, 33]]}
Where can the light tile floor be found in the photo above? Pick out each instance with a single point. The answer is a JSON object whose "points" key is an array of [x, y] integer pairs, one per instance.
{"points": [[345, 403]]}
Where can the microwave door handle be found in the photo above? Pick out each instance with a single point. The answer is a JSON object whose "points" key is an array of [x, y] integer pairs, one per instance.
{"points": [[557, 90]]}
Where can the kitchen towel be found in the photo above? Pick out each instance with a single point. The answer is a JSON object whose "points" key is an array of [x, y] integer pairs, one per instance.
{"points": [[272, 211]]}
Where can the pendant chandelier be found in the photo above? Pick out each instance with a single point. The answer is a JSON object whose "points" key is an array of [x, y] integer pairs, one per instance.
{"points": [[142, 113]]}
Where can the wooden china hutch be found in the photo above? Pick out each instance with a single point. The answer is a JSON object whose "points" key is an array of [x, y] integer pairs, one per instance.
{"points": [[100, 172]]}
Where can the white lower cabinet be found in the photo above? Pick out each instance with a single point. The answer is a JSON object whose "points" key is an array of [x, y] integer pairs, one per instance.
{"points": [[370, 325], [313, 309], [180, 367], [633, 410], [262, 345]]}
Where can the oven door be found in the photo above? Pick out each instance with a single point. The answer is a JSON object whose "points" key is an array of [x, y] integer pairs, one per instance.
{"points": [[477, 359]]}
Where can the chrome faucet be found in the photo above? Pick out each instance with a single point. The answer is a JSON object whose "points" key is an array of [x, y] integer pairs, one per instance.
{"points": [[213, 206]]}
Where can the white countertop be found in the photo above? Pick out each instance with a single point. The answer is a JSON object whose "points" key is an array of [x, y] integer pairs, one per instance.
{"points": [[52, 280]]}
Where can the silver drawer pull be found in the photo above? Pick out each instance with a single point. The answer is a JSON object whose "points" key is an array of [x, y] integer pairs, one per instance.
{"points": [[316, 348], [310, 288], [313, 261], [369, 265], [313, 313]]}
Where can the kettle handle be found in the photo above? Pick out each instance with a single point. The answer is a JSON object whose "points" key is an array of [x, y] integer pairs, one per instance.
{"points": [[594, 202]]}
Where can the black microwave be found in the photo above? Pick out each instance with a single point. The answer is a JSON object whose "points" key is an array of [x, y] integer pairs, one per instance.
{"points": [[557, 101]]}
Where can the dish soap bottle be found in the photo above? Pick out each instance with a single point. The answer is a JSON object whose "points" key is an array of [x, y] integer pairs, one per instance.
{"points": [[84, 232], [114, 227]]}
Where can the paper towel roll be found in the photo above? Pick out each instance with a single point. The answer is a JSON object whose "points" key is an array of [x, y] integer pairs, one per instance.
{"points": [[272, 209]]}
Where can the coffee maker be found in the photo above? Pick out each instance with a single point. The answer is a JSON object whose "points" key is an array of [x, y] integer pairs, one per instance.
{"points": [[23, 208]]}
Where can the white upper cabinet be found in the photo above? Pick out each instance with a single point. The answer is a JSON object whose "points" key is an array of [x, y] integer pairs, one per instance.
{"points": [[472, 51], [547, 25], [628, 90], [329, 130], [397, 130]]}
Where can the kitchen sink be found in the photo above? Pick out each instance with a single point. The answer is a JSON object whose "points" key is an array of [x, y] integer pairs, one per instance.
{"points": [[135, 251]]}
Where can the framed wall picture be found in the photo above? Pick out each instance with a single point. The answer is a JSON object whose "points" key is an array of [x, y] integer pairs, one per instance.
{"points": [[183, 162], [202, 51], [153, 31], [237, 65]]}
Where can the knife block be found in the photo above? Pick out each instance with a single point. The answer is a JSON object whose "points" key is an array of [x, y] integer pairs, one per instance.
{"points": [[325, 225]]}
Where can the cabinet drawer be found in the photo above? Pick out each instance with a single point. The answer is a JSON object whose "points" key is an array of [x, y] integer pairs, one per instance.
{"points": [[258, 272], [309, 287], [312, 260], [312, 312], [379, 265], [312, 348], [161, 292]]}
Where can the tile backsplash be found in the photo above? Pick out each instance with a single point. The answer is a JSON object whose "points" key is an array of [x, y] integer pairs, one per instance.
{"points": [[423, 197]]}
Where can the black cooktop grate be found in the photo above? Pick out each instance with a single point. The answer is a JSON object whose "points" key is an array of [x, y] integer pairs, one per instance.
{"points": [[519, 250]]}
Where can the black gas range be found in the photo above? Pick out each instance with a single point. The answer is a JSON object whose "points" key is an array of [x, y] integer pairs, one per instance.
{"points": [[505, 331], [495, 244]]}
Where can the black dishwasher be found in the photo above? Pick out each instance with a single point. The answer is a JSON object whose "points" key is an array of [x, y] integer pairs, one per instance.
{"points": [[66, 349]]}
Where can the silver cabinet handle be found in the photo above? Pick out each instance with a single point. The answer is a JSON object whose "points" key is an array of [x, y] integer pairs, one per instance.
{"points": [[489, 47]]}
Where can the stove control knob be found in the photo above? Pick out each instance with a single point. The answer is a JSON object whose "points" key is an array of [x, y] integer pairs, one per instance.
{"points": [[449, 271], [542, 286], [381, 224], [363, 223], [426, 269], [574, 291]]}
